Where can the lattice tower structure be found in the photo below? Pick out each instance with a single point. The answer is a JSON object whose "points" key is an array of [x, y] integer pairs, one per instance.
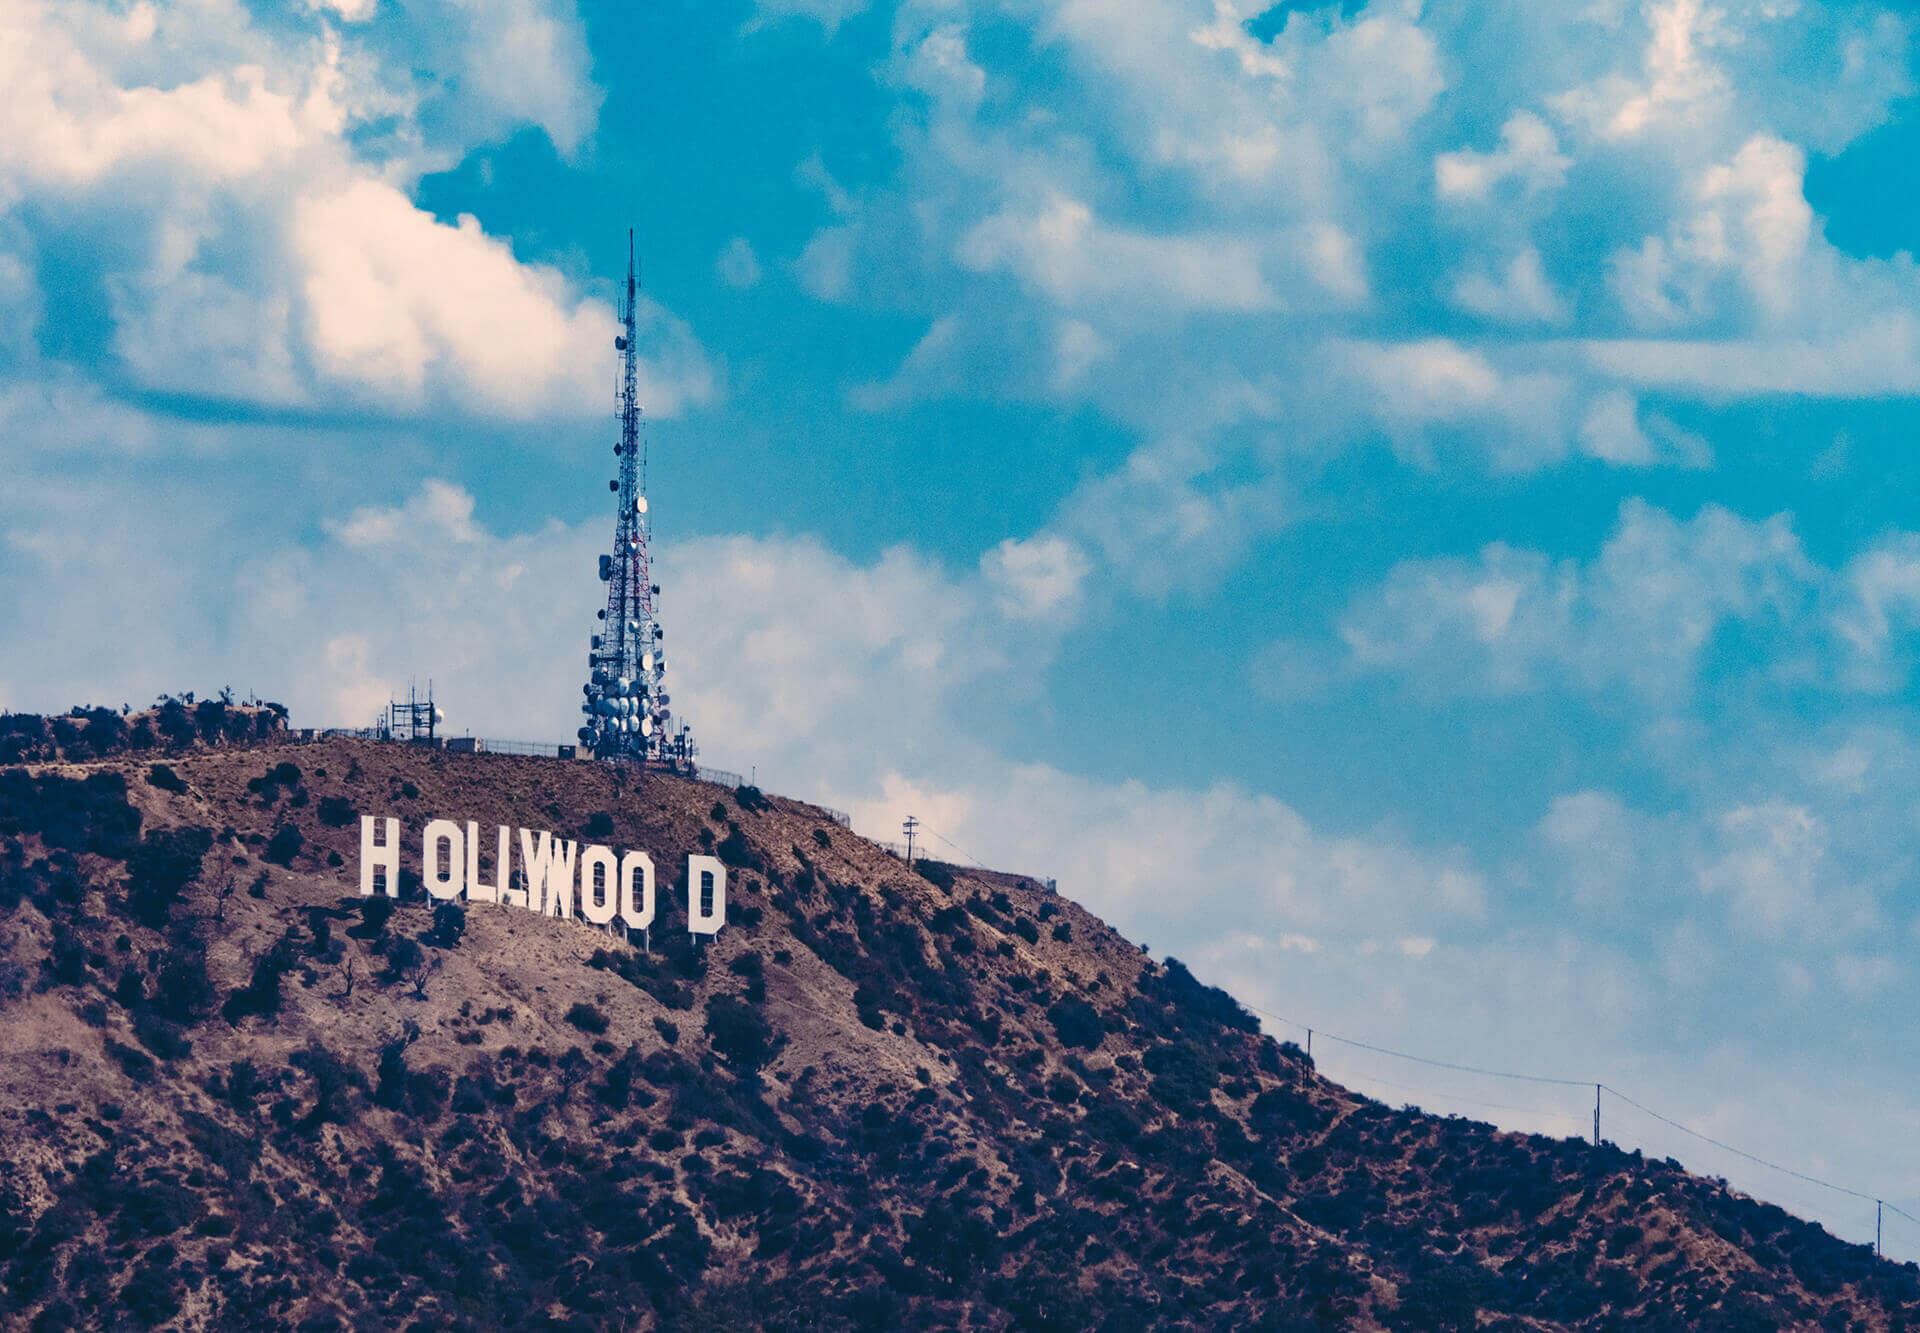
{"points": [[627, 707]]}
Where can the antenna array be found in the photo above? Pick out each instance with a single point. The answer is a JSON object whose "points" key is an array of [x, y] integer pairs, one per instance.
{"points": [[628, 716]]}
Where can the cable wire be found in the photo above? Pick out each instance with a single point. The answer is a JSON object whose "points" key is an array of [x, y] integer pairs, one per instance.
{"points": [[957, 847], [1576, 1083], [1739, 1152], [1558, 1113], [1423, 1060]]}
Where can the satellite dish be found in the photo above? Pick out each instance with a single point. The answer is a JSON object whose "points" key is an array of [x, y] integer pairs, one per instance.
{"points": [[646, 661], [640, 504], [585, 734], [646, 726], [613, 485], [619, 343], [616, 451]]}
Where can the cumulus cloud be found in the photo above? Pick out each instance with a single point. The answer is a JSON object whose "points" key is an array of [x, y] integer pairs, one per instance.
{"points": [[1521, 294], [737, 264], [254, 240], [1062, 249], [1642, 616], [398, 303], [1529, 154]]}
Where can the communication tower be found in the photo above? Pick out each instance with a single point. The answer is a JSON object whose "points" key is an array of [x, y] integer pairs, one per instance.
{"points": [[628, 716], [415, 720]]}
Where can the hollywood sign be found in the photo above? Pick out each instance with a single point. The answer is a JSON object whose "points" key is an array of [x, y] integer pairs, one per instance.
{"points": [[544, 878]]}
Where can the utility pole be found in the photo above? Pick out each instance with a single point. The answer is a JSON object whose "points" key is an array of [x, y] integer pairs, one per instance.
{"points": [[910, 826], [1596, 1115], [1877, 1206]]}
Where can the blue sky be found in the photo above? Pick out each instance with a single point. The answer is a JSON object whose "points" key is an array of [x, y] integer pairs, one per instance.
{"points": [[1406, 506]]}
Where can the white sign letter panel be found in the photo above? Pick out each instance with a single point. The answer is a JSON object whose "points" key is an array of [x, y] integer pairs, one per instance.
{"points": [[706, 895], [443, 833], [636, 890], [375, 855], [599, 891]]}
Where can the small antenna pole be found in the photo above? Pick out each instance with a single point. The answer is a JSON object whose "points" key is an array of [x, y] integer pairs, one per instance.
{"points": [[910, 826]]}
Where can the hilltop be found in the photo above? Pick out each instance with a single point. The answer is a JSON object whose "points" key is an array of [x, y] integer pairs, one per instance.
{"points": [[235, 1094]]}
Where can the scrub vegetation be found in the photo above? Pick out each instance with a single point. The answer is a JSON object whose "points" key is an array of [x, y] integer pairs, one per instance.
{"points": [[879, 1099]]}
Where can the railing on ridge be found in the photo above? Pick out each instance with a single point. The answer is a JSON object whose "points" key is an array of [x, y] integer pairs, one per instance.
{"points": [[535, 750]]}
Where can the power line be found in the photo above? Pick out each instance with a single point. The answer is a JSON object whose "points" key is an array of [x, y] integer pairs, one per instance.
{"points": [[957, 847], [1365, 1077], [1740, 1152], [1578, 1083], [1421, 1059]]}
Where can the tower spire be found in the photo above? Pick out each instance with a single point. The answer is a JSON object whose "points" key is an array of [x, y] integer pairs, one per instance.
{"points": [[627, 704]]}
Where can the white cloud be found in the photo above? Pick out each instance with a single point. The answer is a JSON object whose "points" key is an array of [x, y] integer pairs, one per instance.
{"points": [[1040, 577], [1771, 860], [1434, 378], [1528, 153], [399, 303], [1060, 248], [253, 234], [1877, 610], [825, 266], [1613, 432], [829, 14], [737, 264], [1751, 221], [1163, 520], [1522, 294], [1641, 616], [1878, 356], [1516, 420], [1676, 86]]}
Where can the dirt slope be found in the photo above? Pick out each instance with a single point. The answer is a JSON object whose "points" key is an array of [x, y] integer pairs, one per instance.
{"points": [[233, 1096]]}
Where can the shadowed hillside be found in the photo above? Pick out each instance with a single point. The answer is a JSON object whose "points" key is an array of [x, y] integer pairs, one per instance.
{"points": [[235, 1094]]}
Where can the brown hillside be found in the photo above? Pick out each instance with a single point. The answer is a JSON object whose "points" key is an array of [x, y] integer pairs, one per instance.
{"points": [[232, 1095]]}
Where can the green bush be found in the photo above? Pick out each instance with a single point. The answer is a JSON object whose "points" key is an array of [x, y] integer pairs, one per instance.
{"points": [[336, 811], [163, 777]]}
